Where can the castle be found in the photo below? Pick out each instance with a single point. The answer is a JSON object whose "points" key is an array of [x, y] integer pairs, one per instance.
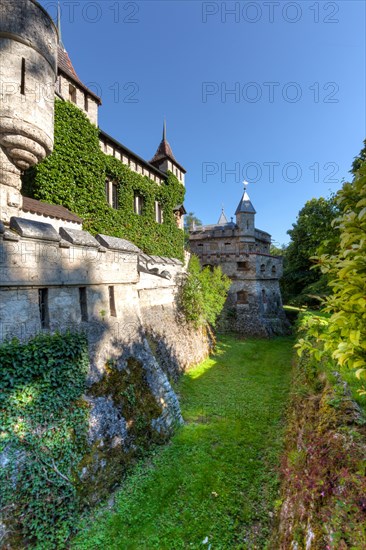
{"points": [[55, 276], [254, 304]]}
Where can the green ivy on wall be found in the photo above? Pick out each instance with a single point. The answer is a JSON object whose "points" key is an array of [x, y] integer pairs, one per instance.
{"points": [[74, 176], [43, 429]]}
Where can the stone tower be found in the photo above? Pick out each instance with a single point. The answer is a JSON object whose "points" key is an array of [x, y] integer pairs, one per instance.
{"points": [[28, 67], [245, 218], [254, 304]]}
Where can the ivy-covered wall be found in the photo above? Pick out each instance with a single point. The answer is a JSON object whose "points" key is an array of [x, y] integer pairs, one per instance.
{"points": [[43, 430], [74, 176]]}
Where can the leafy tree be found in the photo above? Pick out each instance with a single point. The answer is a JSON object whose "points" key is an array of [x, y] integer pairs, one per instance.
{"points": [[359, 160], [278, 250], [312, 234], [189, 220], [203, 293], [343, 337]]}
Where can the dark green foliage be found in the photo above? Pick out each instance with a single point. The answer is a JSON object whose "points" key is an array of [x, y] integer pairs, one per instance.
{"points": [[203, 293], [359, 161], [43, 423], [74, 176], [312, 234]]}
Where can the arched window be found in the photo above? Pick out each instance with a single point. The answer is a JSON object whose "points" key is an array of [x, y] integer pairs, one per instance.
{"points": [[264, 296], [273, 269], [263, 268]]}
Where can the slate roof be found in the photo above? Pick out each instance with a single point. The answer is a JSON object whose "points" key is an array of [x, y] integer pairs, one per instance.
{"points": [[51, 210], [65, 66], [222, 219], [245, 205]]}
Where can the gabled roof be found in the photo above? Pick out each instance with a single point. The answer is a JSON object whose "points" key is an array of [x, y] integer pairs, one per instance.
{"points": [[164, 151], [66, 67], [222, 219], [245, 205], [49, 210]]}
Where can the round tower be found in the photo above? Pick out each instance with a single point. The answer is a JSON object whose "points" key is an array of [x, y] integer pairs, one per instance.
{"points": [[28, 68]]}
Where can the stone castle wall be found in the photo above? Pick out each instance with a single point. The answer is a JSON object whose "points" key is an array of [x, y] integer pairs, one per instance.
{"points": [[125, 301]]}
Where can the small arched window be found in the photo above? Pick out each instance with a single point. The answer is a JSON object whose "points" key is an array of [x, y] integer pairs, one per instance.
{"points": [[263, 268], [273, 269]]}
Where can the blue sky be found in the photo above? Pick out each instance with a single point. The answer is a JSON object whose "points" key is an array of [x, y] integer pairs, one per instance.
{"points": [[294, 119]]}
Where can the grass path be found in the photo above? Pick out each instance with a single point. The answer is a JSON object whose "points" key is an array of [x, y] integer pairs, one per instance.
{"points": [[216, 482]]}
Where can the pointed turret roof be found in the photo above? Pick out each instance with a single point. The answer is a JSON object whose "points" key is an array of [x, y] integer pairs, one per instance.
{"points": [[164, 151], [222, 218], [245, 205]]}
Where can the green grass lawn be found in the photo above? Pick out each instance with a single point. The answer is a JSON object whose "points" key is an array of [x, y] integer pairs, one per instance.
{"points": [[216, 482]]}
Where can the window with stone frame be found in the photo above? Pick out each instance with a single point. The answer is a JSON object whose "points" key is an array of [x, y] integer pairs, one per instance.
{"points": [[242, 297], [158, 212], [242, 266], [72, 93], [138, 204], [43, 307], [111, 193], [112, 302]]}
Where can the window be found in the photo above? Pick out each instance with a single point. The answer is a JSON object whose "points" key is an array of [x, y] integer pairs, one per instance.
{"points": [[158, 212], [138, 204], [264, 296], [111, 193], [263, 268], [43, 307], [83, 303], [22, 78], [242, 266], [114, 196], [86, 103], [72, 93], [273, 269], [107, 190], [242, 297], [112, 303]]}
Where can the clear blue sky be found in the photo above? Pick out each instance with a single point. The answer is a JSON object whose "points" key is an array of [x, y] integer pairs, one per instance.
{"points": [[295, 119]]}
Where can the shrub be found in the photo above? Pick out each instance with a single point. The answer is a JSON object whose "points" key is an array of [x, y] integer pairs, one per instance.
{"points": [[203, 293]]}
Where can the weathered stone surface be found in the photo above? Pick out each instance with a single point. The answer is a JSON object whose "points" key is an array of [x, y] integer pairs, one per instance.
{"points": [[34, 230], [105, 421], [78, 237], [117, 244]]}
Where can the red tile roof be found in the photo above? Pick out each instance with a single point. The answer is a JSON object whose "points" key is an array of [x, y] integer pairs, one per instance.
{"points": [[66, 67], [51, 210]]}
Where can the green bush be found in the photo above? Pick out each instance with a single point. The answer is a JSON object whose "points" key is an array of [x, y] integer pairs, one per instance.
{"points": [[203, 293]]}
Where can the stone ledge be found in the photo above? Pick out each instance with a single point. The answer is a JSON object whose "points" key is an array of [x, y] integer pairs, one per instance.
{"points": [[117, 244], [31, 229], [78, 237]]}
